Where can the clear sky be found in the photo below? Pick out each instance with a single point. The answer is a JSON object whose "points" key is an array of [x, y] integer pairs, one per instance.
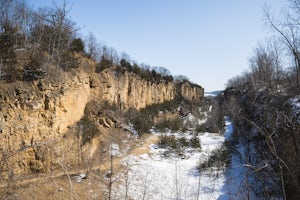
{"points": [[208, 41]]}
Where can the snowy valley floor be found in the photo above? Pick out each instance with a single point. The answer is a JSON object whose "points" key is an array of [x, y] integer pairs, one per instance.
{"points": [[154, 175]]}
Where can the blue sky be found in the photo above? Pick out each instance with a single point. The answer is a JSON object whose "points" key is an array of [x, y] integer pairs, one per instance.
{"points": [[209, 41]]}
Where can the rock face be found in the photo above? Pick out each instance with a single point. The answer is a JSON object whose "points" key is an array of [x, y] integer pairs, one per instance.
{"points": [[43, 111], [129, 90], [38, 114], [190, 91], [32, 115]]}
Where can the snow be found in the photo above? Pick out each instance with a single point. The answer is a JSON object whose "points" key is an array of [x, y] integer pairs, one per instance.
{"points": [[235, 176], [241, 181], [154, 176], [236, 173], [114, 150], [130, 129], [160, 178], [191, 119], [228, 129], [80, 177], [295, 103]]}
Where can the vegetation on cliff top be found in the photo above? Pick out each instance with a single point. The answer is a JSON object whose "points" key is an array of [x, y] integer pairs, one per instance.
{"points": [[31, 40]]}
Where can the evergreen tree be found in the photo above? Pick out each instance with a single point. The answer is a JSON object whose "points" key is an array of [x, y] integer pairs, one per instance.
{"points": [[77, 45], [7, 53]]}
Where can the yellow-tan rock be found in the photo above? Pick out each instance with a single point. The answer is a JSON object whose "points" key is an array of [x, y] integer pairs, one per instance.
{"points": [[39, 114]]}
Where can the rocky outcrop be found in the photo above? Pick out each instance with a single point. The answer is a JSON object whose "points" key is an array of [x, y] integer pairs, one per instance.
{"points": [[41, 111], [190, 91], [34, 115], [129, 90]]}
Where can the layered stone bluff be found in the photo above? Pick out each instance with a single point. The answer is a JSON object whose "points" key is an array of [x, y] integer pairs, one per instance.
{"points": [[33, 114], [129, 90], [37, 114]]}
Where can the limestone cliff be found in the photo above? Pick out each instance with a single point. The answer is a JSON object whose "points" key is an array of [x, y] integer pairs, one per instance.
{"points": [[41, 111], [190, 91], [129, 90], [38, 114]]}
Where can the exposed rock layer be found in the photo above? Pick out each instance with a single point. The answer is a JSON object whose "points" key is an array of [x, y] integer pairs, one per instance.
{"points": [[38, 114]]}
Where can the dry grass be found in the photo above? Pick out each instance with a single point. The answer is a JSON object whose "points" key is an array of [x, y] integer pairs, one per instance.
{"points": [[58, 186], [143, 145]]}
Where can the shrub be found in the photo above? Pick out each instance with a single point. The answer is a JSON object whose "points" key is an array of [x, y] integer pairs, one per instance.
{"points": [[165, 141], [136, 69], [195, 142], [90, 129], [77, 45], [174, 124], [33, 69], [68, 60], [142, 122], [125, 64], [184, 129], [143, 119], [201, 128], [168, 78], [103, 64], [178, 144], [183, 142], [218, 158], [119, 71]]}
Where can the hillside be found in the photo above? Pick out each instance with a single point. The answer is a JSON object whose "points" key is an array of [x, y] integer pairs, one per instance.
{"points": [[80, 120], [35, 113], [66, 101]]}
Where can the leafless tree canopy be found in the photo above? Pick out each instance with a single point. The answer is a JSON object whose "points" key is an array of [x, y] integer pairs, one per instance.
{"points": [[259, 102], [287, 30]]}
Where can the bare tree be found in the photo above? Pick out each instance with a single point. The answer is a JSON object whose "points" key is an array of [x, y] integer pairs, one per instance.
{"points": [[63, 26], [163, 71], [181, 78], [265, 66], [288, 30], [126, 57], [92, 46], [114, 56]]}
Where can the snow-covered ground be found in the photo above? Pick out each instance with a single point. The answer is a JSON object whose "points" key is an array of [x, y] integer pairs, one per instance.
{"points": [[155, 176], [295, 103], [242, 180], [235, 172]]}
